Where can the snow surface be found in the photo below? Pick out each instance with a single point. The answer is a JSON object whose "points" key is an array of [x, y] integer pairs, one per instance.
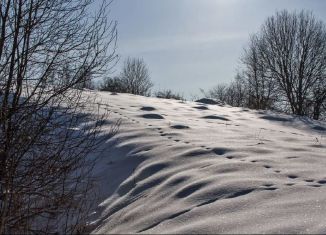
{"points": [[187, 167]]}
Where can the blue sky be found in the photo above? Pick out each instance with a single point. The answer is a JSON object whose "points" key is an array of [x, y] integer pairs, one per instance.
{"points": [[192, 44]]}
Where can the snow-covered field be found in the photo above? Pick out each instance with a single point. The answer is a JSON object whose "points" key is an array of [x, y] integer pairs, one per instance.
{"points": [[186, 167]]}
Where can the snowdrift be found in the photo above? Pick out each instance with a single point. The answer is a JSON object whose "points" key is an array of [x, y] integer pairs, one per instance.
{"points": [[187, 167]]}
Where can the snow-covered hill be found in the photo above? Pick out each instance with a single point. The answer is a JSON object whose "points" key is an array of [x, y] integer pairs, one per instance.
{"points": [[186, 167]]}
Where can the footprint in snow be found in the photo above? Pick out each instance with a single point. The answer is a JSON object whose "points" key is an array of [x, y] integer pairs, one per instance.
{"points": [[309, 180], [201, 107], [267, 166], [152, 116], [216, 117], [292, 176], [179, 126], [321, 182], [147, 108], [220, 151]]}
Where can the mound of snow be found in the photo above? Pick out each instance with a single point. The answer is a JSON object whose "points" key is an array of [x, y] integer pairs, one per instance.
{"points": [[255, 173]]}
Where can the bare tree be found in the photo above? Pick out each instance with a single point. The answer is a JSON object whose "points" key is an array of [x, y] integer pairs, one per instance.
{"points": [[135, 77], [318, 100], [291, 47], [114, 84], [234, 93], [169, 94], [218, 93], [46, 131], [261, 88]]}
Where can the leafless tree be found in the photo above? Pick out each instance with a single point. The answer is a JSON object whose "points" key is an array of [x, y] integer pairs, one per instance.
{"points": [[317, 103], [114, 84], [291, 50], [135, 77], [218, 93], [48, 128], [234, 93], [261, 89], [168, 94]]}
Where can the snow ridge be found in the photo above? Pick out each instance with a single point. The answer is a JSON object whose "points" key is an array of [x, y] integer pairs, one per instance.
{"points": [[187, 167]]}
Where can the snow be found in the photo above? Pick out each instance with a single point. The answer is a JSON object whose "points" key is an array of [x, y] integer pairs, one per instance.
{"points": [[188, 167]]}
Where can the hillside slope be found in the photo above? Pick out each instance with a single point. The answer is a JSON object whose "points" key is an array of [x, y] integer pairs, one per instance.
{"points": [[186, 167]]}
